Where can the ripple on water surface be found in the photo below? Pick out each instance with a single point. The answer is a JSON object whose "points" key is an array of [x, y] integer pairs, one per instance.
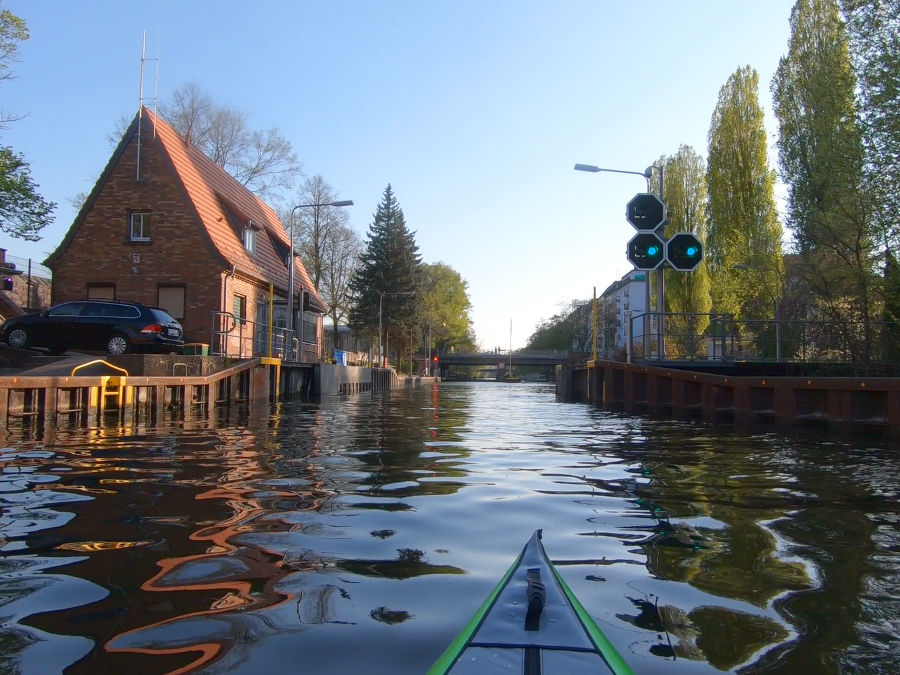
{"points": [[362, 533]]}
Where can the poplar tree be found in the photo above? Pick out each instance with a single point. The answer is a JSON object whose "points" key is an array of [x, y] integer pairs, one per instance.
{"points": [[685, 197], [821, 159], [874, 29], [744, 229], [387, 274]]}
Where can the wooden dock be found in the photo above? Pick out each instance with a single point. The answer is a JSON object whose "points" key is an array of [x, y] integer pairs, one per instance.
{"points": [[116, 397], [83, 391], [834, 402]]}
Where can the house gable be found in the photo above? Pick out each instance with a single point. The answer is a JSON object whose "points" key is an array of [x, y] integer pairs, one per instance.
{"points": [[214, 193], [191, 217]]}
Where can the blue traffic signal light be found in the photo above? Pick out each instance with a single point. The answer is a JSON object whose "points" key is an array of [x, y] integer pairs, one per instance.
{"points": [[646, 251], [684, 251]]}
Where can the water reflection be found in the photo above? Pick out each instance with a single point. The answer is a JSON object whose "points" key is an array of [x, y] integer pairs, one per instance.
{"points": [[376, 525]]}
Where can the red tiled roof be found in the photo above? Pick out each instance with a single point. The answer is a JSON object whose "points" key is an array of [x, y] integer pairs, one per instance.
{"points": [[214, 193]]}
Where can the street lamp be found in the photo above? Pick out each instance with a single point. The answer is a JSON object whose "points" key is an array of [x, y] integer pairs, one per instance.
{"points": [[590, 168], [290, 298], [381, 295], [660, 278]]}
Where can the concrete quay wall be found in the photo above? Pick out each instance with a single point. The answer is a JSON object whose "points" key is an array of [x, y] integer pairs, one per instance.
{"points": [[332, 379]]}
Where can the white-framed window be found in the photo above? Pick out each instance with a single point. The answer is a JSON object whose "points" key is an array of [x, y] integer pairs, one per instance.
{"points": [[139, 226], [250, 239]]}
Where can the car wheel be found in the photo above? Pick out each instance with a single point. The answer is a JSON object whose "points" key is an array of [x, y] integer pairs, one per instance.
{"points": [[17, 337], [117, 344]]}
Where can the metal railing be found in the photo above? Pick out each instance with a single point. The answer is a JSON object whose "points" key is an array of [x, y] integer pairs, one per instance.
{"points": [[720, 337], [242, 338]]}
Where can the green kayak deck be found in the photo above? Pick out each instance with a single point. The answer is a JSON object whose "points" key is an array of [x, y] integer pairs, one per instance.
{"points": [[531, 623]]}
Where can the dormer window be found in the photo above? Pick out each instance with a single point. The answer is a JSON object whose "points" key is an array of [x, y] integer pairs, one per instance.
{"points": [[139, 225], [250, 237]]}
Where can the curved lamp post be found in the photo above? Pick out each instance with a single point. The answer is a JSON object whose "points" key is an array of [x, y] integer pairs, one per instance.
{"points": [[290, 298], [660, 278]]}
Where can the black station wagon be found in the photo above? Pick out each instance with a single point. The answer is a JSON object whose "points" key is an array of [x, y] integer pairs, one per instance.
{"points": [[111, 326]]}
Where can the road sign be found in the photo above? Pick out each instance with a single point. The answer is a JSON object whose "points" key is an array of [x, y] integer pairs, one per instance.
{"points": [[646, 251], [645, 212], [684, 251]]}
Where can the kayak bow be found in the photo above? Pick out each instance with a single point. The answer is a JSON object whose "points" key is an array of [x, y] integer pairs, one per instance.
{"points": [[531, 623]]}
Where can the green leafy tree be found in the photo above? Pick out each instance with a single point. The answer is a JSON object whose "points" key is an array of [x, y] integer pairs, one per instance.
{"points": [[742, 218], [874, 29], [446, 308], [687, 293], [23, 212], [821, 159], [892, 309], [387, 275], [570, 328]]}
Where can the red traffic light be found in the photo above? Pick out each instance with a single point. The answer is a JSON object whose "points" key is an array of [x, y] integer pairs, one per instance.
{"points": [[434, 358]]}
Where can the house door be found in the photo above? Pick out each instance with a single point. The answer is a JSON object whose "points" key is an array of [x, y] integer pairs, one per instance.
{"points": [[261, 332]]}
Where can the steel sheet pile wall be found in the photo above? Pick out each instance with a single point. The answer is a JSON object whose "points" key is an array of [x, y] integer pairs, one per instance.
{"points": [[835, 401]]}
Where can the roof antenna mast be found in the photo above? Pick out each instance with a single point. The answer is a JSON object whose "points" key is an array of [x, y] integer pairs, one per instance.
{"points": [[141, 99]]}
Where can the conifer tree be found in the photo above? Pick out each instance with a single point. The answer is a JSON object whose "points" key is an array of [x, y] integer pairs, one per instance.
{"points": [[387, 275]]}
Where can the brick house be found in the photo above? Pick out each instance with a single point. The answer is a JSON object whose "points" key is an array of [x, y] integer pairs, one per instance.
{"points": [[166, 226]]}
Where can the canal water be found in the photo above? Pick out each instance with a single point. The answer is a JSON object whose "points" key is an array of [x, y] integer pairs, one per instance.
{"points": [[359, 535]]}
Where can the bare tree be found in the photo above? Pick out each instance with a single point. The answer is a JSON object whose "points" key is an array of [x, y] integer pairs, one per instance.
{"points": [[263, 161], [328, 247]]}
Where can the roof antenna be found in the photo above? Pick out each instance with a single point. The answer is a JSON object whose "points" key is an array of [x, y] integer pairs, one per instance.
{"points": [[137, 175], [141, 98]]}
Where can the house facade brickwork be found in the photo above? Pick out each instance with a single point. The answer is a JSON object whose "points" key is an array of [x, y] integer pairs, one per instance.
{"points": [[165, 226]]}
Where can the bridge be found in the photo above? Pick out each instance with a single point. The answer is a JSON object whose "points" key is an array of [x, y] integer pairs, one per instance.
{"points": [[502, 359]]}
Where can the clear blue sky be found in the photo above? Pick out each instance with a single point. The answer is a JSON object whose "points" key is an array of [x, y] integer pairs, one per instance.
{"points": [[474, 111]]}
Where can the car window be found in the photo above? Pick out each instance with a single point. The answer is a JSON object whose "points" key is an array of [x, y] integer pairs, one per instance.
{"points": [[93, 309], [161, 316], [110, 309], [66, 309]]}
